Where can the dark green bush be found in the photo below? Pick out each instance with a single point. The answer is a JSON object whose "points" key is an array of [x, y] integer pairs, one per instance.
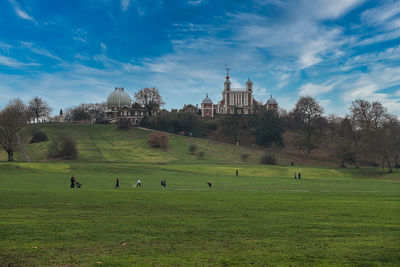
{"points": [[39, 137], [64, 147], [201, 155], [124, 124], [192, 148], [158, 139], [268, 159], [244, 157]]}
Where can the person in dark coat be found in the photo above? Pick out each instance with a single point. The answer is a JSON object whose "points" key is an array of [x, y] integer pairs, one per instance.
{"points": [[237, 173], [72, 182], [209, 184], [295, 176], [117, 184], [299, 176]]}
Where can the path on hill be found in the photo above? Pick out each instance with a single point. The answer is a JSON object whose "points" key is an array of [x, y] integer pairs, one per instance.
{"points": [[213, 141], [21, 149]]}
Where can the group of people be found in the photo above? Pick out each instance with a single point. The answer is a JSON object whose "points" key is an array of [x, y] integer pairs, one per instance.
{"points": [[297, 176], [75, 183], [163, 182], [138, 183]]}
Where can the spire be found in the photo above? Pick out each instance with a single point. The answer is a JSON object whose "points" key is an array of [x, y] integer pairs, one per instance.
{"points": [[227, 72]]}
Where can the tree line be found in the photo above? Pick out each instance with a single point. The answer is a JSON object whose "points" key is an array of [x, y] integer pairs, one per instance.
{"points": [[367, 135]]}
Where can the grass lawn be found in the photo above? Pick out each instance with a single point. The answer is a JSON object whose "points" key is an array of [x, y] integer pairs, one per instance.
{"points": [[263, 217]]}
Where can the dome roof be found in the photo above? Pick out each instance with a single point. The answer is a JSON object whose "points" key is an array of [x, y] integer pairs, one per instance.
{"points": [[119, 98], [207, 100], [272, 101]]}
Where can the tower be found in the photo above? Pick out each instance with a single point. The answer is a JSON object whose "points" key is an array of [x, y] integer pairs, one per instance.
{"points": [[227, 84], [61, 117], [207, 107], [249, 85], [272, 104]]}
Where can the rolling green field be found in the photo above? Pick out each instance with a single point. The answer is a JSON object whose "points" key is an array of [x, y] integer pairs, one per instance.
{"points": [[104, 143], [264, 217]]}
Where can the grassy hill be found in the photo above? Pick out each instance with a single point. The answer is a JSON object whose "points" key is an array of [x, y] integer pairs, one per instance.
{"points": [[104, 143], [333, 216]]}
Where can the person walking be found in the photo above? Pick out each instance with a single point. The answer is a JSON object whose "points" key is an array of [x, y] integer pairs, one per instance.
{"points": [[209, 184], [117, 184], [237, 172], [295, 176], [299, 176], [138, 183], [72, 182]]}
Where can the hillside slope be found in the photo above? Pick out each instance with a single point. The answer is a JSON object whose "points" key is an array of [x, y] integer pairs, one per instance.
{"points": [[104, 143]]}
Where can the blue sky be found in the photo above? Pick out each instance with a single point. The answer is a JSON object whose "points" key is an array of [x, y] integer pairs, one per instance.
{"points": [[72, 52]]}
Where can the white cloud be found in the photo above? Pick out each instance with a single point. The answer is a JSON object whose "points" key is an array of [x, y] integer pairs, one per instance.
{"points": [[310, 89], [103, 47], [373, 86], [381, 14], [80, 35], [389, 55], [14, 63], [125, 4], [194, 2], [381, 37], [301, 37], [39, 51], [328, 9], [21, 13]]}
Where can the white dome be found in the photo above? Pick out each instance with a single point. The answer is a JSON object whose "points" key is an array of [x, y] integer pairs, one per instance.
{"points": [[207, 100], [272, 101], [119, 98]]}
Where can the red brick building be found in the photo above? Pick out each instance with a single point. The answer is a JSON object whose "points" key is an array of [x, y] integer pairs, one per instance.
{"points": [[207, 110], [234, 101]]}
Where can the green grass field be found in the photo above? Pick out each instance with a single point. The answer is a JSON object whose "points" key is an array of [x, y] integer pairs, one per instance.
{"points": [[104, 143], [263, 217]]}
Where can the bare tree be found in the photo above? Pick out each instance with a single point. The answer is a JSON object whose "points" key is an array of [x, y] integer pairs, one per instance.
{"points": [[38, 108], [12, 119], [386, 141], [97, 112], [149, 98], [367, 115], [378, 133], [307, 119]]}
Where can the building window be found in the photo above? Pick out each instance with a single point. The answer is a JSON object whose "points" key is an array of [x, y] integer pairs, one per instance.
{"points": [[231, 110], [246, 100], [245, 111], [239, 99], [231, 99]]}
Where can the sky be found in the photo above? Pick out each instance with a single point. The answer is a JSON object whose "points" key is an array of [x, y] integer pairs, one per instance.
{"points": [[72, 52]]}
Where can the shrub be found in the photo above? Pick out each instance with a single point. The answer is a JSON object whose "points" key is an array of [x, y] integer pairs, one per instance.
{"points": [[158, 139], [244, 157], [201, 155], [268, 159], [124, 125], [192, 148], [63, 147], [39, 137]]}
